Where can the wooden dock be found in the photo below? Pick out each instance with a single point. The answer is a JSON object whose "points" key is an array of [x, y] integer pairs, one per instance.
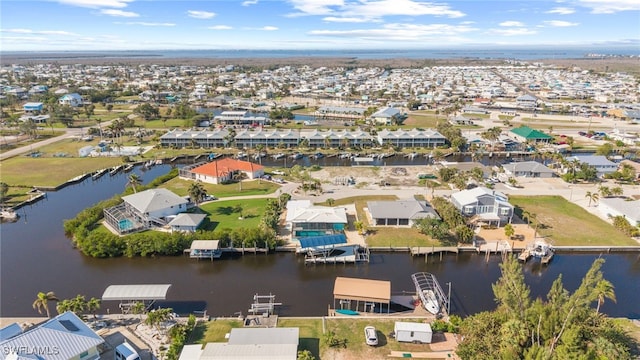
{"points": [[524, 255], [426, 250]]}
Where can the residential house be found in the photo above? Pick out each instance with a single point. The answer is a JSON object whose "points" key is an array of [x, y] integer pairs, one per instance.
{"points": [[602, 165], [305, 219], [483, 204], [460, 120], [527, 169], [527, 134], [32, 107], [612, 207], [222, 170], [399, 212], [527, 101], [64, 337], [277, 343], [145, 209], [186, 222], [73, 99], [387, 116]]}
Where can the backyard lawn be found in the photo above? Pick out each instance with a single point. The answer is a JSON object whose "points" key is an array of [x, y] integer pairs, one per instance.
{"points": [[226, 214], [565, 223], [255, 187], [312, 337]]}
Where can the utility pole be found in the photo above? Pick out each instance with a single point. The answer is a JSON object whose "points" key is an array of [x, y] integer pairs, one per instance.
{"points": [[449, 300]]}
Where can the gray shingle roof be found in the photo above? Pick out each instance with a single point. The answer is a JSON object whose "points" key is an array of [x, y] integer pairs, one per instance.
{"points": [[400, 209], [153, 200]]}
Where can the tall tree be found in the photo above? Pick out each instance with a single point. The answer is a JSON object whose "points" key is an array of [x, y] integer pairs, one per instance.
{"points": [[197, 192], [592, 196], [42, 302]]}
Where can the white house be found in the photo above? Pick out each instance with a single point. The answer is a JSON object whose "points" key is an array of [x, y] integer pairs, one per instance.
{"points": [[386, 116], [600, 163], [630, 210], [487, 205], [64, 337], [306, 219], [72, 99]]}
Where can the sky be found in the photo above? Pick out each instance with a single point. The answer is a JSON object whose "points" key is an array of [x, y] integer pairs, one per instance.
{"points": [[82, 25]]}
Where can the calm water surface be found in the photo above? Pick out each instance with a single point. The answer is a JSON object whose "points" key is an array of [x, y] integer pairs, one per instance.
{"points": [[36, 256]]}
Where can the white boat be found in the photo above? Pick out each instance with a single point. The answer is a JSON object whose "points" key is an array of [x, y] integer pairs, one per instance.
{"points": [[431, 303], [541, 249], [296, 156], [278, 156]]}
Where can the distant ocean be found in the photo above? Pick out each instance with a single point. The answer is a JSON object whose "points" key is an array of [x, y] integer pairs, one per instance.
{"points": [[473, 53]]}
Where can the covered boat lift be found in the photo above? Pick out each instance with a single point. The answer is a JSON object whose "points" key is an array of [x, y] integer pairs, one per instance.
{"points": [[204, 249], [129, 295], [426, 281], [365, 291]]}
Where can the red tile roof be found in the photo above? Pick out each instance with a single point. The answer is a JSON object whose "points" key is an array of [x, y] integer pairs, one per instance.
{"points": [[223, 167]]}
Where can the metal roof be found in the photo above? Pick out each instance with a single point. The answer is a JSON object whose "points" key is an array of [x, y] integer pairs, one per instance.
{"points": [[362, 290], [317, 241], [223, 351], [54, 335], [205, 245], [154, 200], [401, 209], [254, 336], [136, 292]]}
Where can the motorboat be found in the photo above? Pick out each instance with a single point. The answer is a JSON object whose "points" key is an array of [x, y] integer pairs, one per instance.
{"points": [[431, 303], [541, 249]]}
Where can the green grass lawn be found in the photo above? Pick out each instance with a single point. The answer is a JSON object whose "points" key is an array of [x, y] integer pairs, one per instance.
{"points": [[311, 336], [398, 237], [568, 224], [226, 215], [423, 120], [50, 172], [254, 187]]}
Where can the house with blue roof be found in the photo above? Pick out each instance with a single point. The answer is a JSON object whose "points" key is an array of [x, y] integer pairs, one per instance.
{"points": [[73, 99], [602, 165], [32, 107]]}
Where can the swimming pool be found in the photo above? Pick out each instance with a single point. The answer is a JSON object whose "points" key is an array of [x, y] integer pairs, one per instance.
{"points": [[307, 233]]}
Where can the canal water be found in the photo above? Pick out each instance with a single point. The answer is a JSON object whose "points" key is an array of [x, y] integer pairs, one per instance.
{"points": [[36, 256]]}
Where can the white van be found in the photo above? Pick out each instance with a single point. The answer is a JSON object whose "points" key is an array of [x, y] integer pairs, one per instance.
{"points": [[125, 351]]}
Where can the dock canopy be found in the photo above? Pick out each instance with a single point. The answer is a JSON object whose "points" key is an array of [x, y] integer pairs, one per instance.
{"points": [[205, 245], [378, 291], [322, 241], [142, 292]]}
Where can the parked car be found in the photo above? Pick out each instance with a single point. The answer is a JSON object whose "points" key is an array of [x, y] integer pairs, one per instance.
{"points": [[370, 336]]}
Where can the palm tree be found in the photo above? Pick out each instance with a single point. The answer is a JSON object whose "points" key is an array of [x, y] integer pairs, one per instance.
{"points": [[604, 289], [592, 196], [330, 201], [134, 181], [93, 305], [42, 302], [197, 192], [617, 191], [604, 191]]}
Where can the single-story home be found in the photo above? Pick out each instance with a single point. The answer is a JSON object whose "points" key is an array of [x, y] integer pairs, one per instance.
{"points": [[386, 115], [305, 219], [399, 212], [630, 210], [528, 169], [73, 99], [33, 107], [219, 171], [186, 222], [599, 162]]}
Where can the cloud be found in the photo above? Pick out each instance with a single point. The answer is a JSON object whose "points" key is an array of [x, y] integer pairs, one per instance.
{"points": [[119, 13], [511, 24], [249, 2], [610, 6], [514, 31], [399, 32], [561, 11], [220, 27], [268, 28], [97, 3], [39, 32], [559, 23], [198, 14], [314, 7], [371, 10], [144, 23], [346, 19]]}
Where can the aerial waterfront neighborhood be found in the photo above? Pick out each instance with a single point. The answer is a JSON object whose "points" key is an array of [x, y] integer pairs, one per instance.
{"points": [[338, 165]]}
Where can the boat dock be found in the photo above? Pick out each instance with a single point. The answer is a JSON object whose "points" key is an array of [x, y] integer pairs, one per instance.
{"points": [[342, 254], [96, 175], [204, 249], [524, 255]]}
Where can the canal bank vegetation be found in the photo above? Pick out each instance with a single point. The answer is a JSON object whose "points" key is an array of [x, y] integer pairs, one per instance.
{"points": [[564, 325], [246, 223], [567, 224], [255, 187]]}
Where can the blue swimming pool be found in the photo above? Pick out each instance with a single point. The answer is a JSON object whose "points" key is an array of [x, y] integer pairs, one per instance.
{"points": [[307, 233]]}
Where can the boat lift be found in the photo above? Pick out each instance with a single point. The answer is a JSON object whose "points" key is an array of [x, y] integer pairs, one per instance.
{"points": [[261, 307], [427, 281]]}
